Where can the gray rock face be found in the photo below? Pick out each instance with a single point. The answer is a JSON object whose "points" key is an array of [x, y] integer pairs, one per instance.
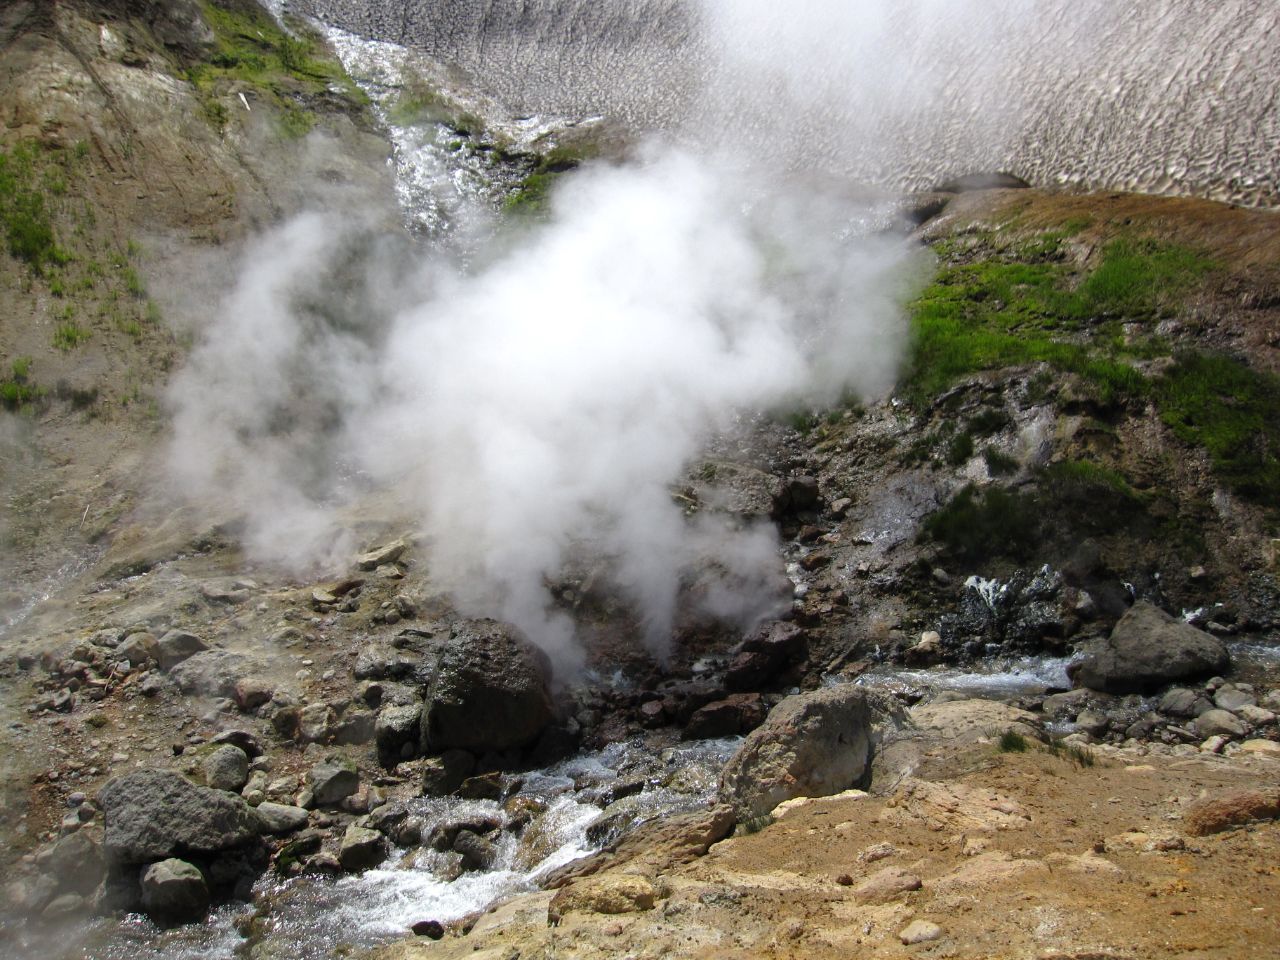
{"points": [[173, 891], [1148, 649], [813, 744], [226, 768], [176, 646], [489, 691], [149, 815]]}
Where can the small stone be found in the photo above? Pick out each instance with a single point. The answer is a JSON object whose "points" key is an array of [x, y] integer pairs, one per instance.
{"points": [[920, 931], [1214, 744], [1092, 722], [1232, 698], [226, 768], [250, 693], [886, 885], [431, 929], [1256, 716], [389, 553]]}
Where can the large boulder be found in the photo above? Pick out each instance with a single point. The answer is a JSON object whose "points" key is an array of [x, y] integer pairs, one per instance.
{"points": [[1149, 649], [489, 691], [811, 745], [151, 815]]}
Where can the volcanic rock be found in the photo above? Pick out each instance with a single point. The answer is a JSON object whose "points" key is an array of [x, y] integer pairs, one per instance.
{"points": [[152, 814], [812, 744], [1148, 649], [173, 891], [488, 692]]}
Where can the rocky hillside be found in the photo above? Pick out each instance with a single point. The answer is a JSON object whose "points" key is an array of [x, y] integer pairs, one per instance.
{"points": [[1078, 468]]}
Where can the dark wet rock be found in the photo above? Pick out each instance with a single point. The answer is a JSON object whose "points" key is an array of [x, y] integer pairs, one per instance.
{"points": [[431, 929], [174, 891], [443, 834], [797, 495], [332, 781], [210, 673], [361, 848], [477, 852], [176, 646], [444, 774], [488, 692], [179, 24], [281, 817], [736, 714], [396, 733], [812, 744], [149, 815], [1149, 649], [763, 655], [486, 786], [226, 768]]}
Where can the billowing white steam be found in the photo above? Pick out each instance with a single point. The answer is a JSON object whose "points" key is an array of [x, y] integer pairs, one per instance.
{"points": [[540, 408]]}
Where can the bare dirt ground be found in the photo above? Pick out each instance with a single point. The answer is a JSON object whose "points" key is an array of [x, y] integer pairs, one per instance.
{"points": [[1018, 855]]}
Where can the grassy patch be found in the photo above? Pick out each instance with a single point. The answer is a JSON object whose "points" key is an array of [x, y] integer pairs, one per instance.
{"points": [[1012, 742], [1081, 497], [26, 189], [995, 312], [69, 334], [17, 390], [1233, 412], [533, 193]]}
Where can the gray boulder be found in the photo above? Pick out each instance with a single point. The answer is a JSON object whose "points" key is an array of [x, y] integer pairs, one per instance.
{"points": [[176, 646], [361, 848], [211, 673], [150, 815], [226, 768], [281, 817], [332, 782], [173, 891], [811, 745], [1213, 723], [138, 649], [488, 692], [1149, 649], [75, 863]]}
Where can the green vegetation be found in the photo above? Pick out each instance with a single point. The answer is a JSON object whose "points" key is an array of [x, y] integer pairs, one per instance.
{"points": [[251, 50], [533, 193], [1088, 499], [69, 334], [1231, 411], [1012, 742], [998, 312], [1080, 756], [26, 181], [999, 464], [17, 391], [296, 124]]}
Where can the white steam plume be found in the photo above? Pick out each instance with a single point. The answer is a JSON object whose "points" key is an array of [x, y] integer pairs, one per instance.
{"points": [[539, 409]]}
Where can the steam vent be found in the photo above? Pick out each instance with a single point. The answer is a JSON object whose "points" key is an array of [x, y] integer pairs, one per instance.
{"points": [[639, 478]]}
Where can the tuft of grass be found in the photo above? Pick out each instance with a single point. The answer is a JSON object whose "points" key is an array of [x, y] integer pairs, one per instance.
{"points": [[17, 391], [1233, 412], [1081, 756], [296, 123], [999, 464], [25, 217], [69, 334], [133, 283], [1012, 742]]}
